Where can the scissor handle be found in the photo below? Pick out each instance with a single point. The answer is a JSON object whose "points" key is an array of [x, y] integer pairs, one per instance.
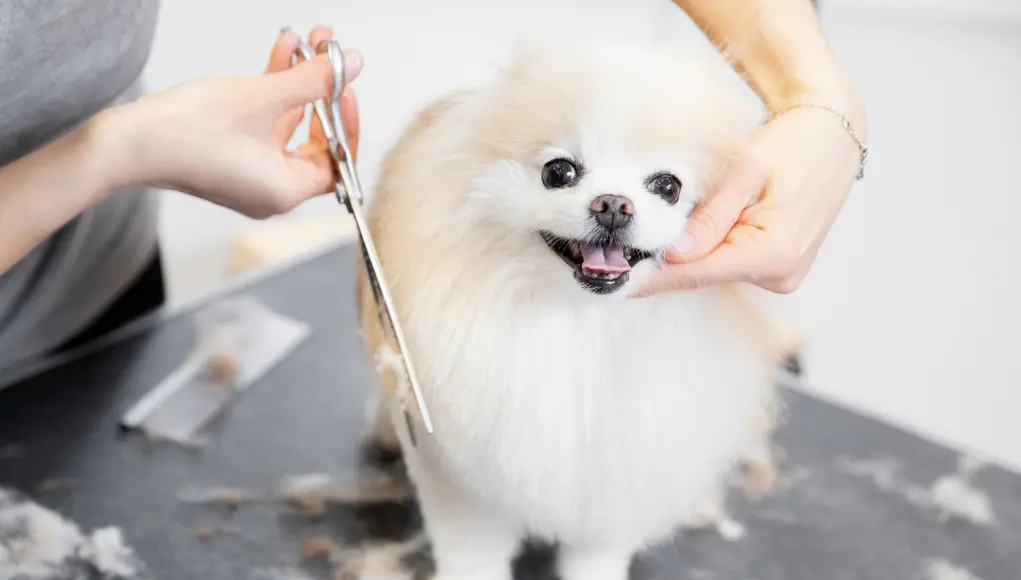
{"points": [[330, 115], [336, 56], [333, 125]]}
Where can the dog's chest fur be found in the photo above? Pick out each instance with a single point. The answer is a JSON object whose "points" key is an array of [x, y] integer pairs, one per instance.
{"points": [[589, 417]]}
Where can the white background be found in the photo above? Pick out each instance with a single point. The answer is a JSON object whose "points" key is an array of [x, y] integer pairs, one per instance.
{"points": [[912, 308]]}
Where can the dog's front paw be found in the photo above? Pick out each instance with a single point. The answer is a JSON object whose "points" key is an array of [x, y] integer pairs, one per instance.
{"points": [[465, 576], [503, 573], [472, 562], [585, 564]]}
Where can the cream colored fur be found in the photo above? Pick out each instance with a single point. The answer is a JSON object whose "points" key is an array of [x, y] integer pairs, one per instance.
{"points": [[596, 421]]}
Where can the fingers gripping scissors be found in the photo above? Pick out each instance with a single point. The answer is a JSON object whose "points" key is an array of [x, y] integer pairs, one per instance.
{"points": [[349, 193]]}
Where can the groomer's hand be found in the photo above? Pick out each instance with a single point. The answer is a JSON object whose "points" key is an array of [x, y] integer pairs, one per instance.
{"points": [[225, 139], [765, 223]]}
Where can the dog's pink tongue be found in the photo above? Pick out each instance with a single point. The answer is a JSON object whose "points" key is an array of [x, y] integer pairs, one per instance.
{"points": [[603, 259]]}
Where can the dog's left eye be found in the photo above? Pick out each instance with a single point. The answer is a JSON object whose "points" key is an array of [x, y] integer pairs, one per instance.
{"points": [[666, 186], [559, 173]]}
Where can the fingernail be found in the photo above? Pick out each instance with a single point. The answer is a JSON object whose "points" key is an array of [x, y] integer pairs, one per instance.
{"points": [[286, 30], [352, 62]]}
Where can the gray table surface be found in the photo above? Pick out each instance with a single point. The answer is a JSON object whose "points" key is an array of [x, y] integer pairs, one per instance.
{"points": [[850, 508]]}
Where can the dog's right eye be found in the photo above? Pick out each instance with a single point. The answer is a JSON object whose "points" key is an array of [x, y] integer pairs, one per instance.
{"points": [[559, 173]]}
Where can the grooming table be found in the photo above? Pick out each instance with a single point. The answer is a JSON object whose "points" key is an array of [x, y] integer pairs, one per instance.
{"points": [[850, 504]]}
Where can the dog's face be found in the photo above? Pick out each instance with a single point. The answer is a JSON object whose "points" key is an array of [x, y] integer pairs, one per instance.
{"points": [[592, 161]]}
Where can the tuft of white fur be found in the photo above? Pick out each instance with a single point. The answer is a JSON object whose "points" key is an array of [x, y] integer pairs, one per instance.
{"points": [[943, 570], [38, 543], [598, 421]]}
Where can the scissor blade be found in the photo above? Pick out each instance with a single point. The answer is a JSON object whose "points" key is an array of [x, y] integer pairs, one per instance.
{"points": [[382, 294]]}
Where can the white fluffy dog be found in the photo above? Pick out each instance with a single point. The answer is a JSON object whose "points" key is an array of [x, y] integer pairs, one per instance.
{"points": [[513, 223]]}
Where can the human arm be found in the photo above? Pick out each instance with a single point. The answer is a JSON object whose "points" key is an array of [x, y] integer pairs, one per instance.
{"points": [[73, 165], [780, 48], [768, 218], [223, 139]]}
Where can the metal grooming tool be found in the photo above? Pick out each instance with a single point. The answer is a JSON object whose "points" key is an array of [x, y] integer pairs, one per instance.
{"points": [[239, 340], [349, 193]]}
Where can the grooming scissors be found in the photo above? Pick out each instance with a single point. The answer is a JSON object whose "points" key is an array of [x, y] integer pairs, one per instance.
{"points": [[348, 192]]}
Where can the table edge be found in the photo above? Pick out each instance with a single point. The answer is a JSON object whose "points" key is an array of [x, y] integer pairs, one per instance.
{"points": [[230, 285]]}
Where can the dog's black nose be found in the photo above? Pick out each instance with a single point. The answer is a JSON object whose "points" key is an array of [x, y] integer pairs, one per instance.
{"points": [[612, 211]]}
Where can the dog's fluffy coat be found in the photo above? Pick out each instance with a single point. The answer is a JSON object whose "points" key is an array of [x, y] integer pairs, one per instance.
{"points": [[595, 421]]}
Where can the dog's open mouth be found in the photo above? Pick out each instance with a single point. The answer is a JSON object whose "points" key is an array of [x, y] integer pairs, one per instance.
{"points": [[601, 269]]}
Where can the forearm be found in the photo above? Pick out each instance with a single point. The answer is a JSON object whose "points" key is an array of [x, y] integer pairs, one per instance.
{"points": [[780, 48], [44, 190]]}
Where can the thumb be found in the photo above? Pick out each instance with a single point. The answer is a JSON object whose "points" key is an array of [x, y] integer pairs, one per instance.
{"points": [[311, 80], [728, 263], [711, 221]]}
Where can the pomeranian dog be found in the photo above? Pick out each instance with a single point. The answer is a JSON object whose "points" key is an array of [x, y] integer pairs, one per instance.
{"points": [[514, 223]]}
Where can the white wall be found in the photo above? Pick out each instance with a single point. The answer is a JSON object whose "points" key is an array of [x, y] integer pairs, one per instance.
{"points": [[914, 301], [911, 308], [980, 10]]}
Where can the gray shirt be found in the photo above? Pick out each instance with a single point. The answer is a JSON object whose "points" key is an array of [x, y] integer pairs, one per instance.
{"points": [[61, 61]]}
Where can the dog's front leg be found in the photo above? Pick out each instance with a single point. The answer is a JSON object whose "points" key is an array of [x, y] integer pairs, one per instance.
{"points": [[577, 563], [469, 540]]}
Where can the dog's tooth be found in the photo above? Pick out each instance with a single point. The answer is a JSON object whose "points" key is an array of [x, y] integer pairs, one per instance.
{"points": [[608, 276]]}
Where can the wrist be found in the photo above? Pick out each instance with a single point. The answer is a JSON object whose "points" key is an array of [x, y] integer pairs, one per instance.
{"points": [[110, 139], [807, 72], [835, 92], [83, 154]]}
